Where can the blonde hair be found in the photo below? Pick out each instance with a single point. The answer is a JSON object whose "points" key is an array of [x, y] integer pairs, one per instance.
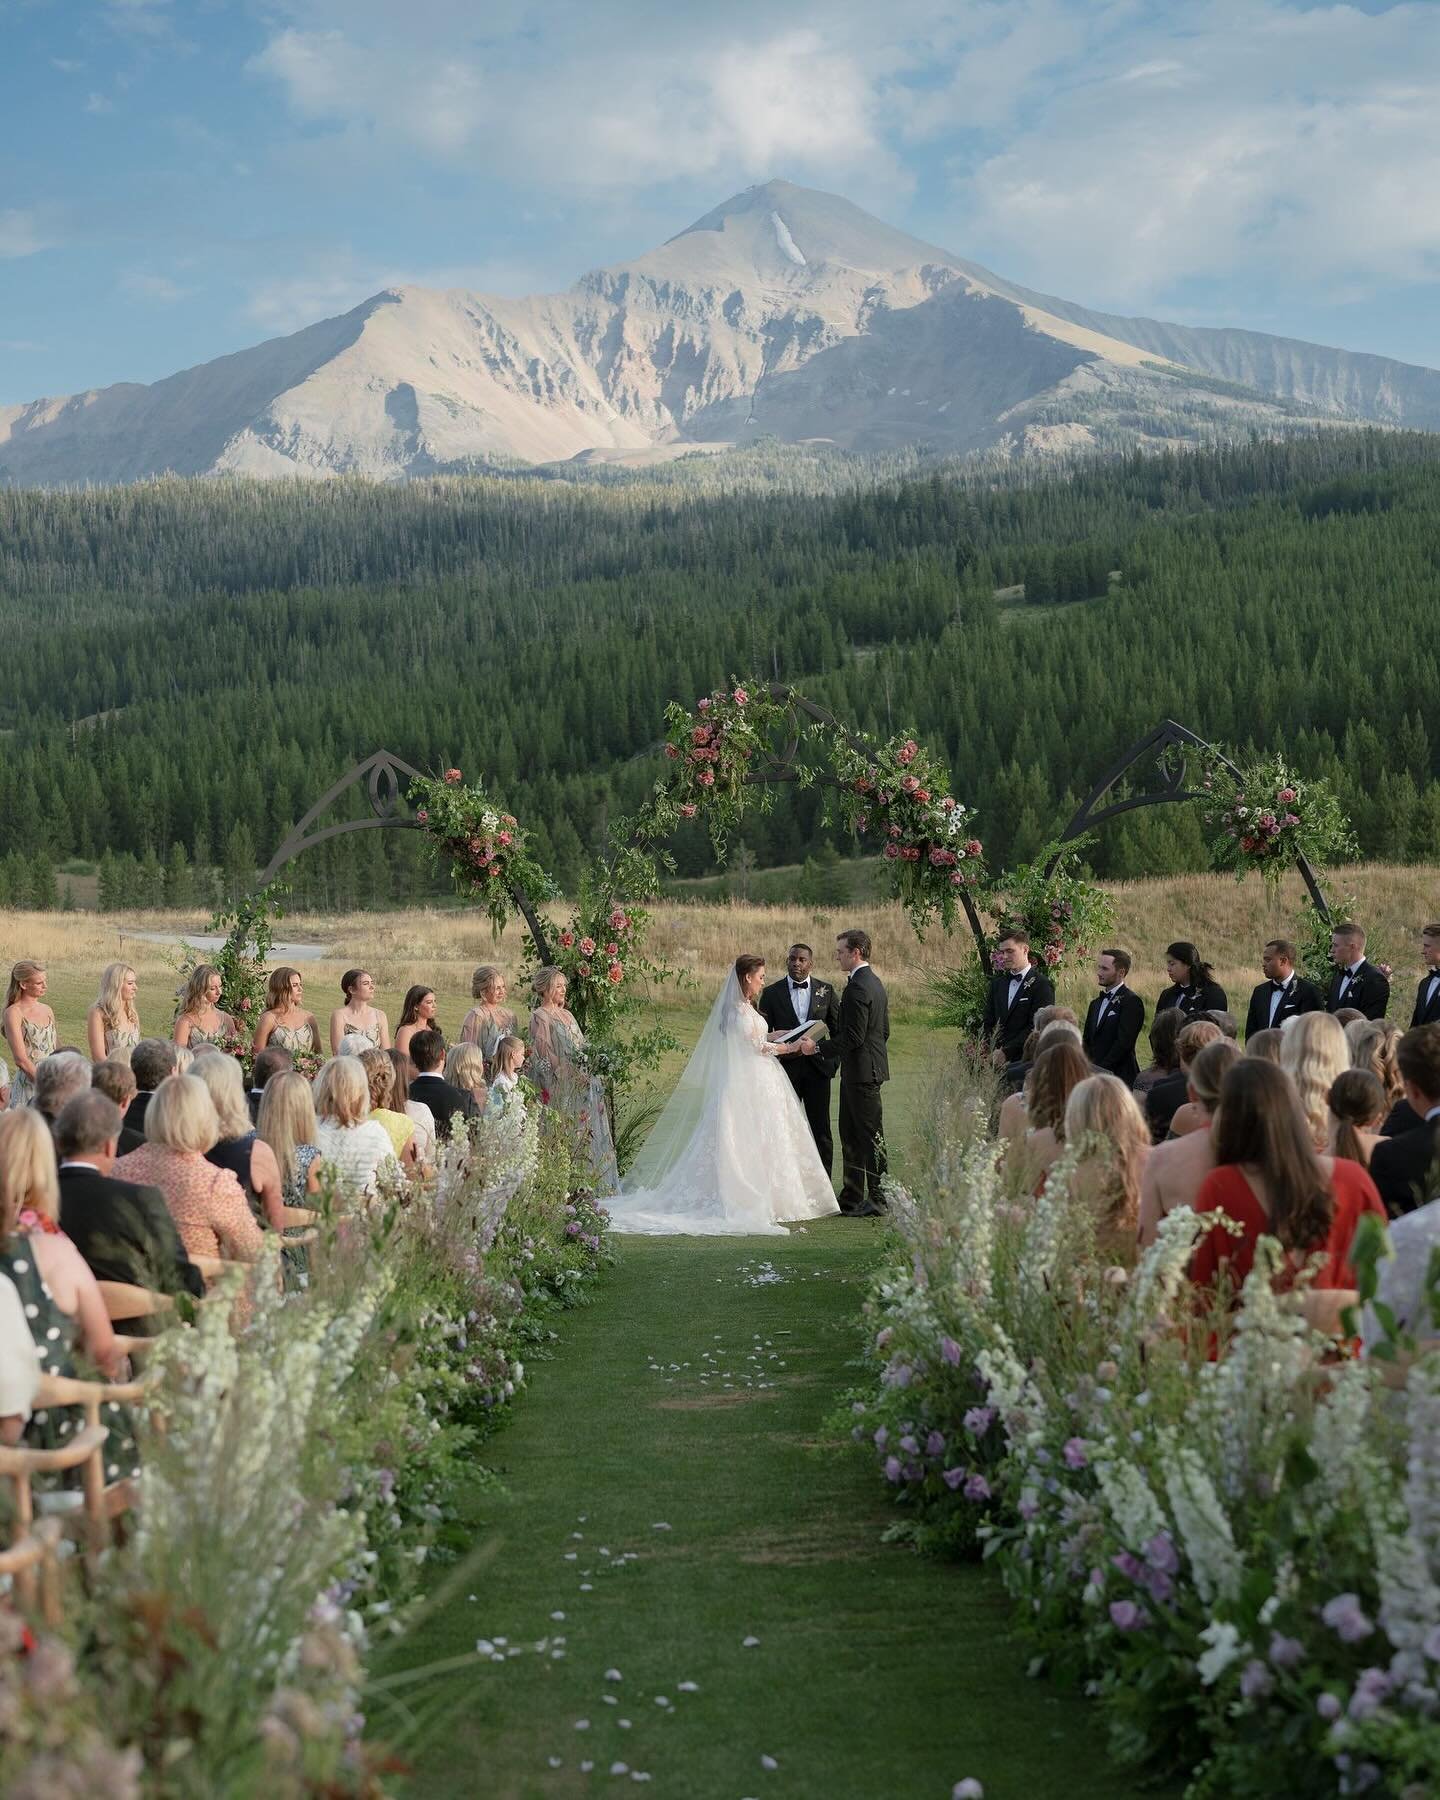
{"points": [[21, 973], [111, 1002], [1313, 1052], [184, 1060], [287, 1119], [483, 980], [505, 1053], [465, 1066], [544, 979], [28, 1175], [342, 1091], [1105, 1116], [226, 1087], [182, 1116], [380, 1075], [192, 995], [1373, 1045]]}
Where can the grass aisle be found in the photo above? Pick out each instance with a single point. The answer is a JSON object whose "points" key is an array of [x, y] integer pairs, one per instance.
{"points": [[875, 1674]]}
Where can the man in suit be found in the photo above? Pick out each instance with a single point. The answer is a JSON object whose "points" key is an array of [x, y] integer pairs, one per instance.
{"points": [[1282, 994], [427, 1052], [152, 1060], [799, 999], [1017, 992], [123, 1230], [273, 1060], [115, 1079], [864, 1069], [1427, 995], [1115, 1019], [1404, 1167], [1356, 982]]}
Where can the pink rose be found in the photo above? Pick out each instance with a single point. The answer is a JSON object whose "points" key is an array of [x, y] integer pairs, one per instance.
{"points": [[973, 847], [1053, 953], [422, 815], [672, 752], [909, 784], [1287, 796], [505, 837], [923, 796], [891, 852], [618, 921], [700, 735], [908, 751], [616, 973], [584, 969], [454, 777], [688, 811], [587, 946], [947, 804], [245, 1003], [939, 858], [706, 777], [702, 706], [1292, 819], [612, 949], [957, 879], [741, 697], [894, 831], [567, 938], [911, 853]]}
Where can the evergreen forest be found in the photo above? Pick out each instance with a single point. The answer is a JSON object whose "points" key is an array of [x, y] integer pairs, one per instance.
{"points": [[190, 664]]}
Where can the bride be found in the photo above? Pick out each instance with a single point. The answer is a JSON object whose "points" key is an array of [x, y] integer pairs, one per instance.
{"points": [[732, 1152]]}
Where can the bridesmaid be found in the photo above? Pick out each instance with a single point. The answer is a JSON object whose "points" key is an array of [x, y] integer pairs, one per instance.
{"points": [[557, 1055], [200, 1020], [285, 1021], [358, 1017], [112, 1024], [29, 1028], [418, 1014], [489, 1019]]}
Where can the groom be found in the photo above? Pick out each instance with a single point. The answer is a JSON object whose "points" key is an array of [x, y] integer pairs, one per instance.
{"points": [[864, 1068], [798, 999]]}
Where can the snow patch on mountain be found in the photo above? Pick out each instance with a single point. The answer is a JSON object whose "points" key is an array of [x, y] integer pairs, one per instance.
{"points": [[787, 243]]}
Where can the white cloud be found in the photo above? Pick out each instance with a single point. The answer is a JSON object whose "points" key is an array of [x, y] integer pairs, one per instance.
{"points": [[147, 286], [20, 234], [97, 103]]}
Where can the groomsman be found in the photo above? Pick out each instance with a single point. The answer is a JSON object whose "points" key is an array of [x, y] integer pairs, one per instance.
{"points": [[1427, 995], [795, 1000], [1112, 1025], [1356, 982], [1017, 992], [1283, 994]]}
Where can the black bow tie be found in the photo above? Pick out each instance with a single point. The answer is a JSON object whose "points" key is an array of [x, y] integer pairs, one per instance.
{"points": [[799, 987], [1281, 987]]}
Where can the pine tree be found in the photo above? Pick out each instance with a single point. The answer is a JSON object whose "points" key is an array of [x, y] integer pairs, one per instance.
{"points": [[42, 894], [237, 873]]}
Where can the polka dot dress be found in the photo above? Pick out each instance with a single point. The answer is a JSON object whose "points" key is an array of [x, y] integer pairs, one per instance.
{"points": [[54, 1333]]}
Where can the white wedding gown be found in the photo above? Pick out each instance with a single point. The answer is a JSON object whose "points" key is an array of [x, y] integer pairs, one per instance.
{"points": [[731, 1154]]}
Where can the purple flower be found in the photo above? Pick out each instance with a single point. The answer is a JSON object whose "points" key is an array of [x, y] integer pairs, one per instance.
{"points": [[1346, 1619], [1431, 1645], [573, 1228], [892, 1468], [882, 1338], [909, 1445], [950, 1350], [1128, 1565], [979, 1419], [935, 1444], [914, 1471], [1159, 1586], [1077, 1454], [977, 1488], [1029, 1507], [1126, 1615], [385, 1481], [1286, 1652], [1328, 1707], [1256, 1680], [1371, 1692], [882, 1437], [953, 1478], [1161, 1554]]}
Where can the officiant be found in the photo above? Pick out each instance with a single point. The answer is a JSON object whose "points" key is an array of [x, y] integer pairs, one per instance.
{"points": [[801, 999]]}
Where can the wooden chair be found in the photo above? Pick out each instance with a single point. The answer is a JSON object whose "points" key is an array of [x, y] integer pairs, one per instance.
{"points": [[33, 1565], [104, 1501], [21, 1465]]}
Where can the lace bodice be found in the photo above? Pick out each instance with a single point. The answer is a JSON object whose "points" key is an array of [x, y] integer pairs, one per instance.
{"points": [[750, 1024]]}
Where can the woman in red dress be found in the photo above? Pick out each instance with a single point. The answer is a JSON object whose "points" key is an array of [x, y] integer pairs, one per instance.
{"points": [[1270, 1180]]}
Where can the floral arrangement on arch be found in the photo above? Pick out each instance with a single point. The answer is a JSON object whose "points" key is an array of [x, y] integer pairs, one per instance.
{"points": [[1264, 816], [488, 850], [1065, 913], [712, 749], [249, 932]]}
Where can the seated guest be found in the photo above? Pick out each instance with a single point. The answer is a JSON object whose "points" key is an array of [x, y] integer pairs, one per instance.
{"points": [[240, 1148], [1185, 1117], [504, 1084], [1106, 1128], [1427, 994], [1058, 1071], [1313, 1053], [1270, 1181], [465, 1069], [115, 1079], [1193, 988], [415, 1110], [1225, 1023], [357, 1149], [289, 1126], [417, 1014], [58, 1079], [1348, 1016], [1178, 1166], [1165, 1027], [207, 1203], [19, 1371], [1014, 1114], [380, 1074], [1265, 1044], [152, 1059], [1356, 981], [1357, 1111], [1017, 992], [427, 1049], [1404, 1167], [1373, 1043], [1015, 1073], [122, 1229], [1283, 994], [1115, 1019], [274, 1060]]}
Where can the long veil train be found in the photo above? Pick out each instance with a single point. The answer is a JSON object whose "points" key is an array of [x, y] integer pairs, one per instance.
{"points": [[731, 1153]]}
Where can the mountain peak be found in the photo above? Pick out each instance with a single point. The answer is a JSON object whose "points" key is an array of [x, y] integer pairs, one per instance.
{"points": [[820, 227]]}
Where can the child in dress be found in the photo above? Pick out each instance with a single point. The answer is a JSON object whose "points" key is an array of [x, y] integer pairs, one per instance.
{"points": [[504, 1092]]}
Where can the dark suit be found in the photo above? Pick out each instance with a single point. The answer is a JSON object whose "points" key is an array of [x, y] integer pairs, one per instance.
{"points": [[130, 1139], [1110, 1042], [1427, 1012], [864, 1068], [125, 1232], [136, 1110], [444, 1100], [1162, 1103], [1207, 996], [1368, 991], [1008, 1024], [1401, 1118], [1301, 997], [810, 1076], [1404, 1168]]}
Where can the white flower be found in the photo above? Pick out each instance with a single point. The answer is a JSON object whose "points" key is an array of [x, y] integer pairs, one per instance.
{"points": [[1225, 1647]]}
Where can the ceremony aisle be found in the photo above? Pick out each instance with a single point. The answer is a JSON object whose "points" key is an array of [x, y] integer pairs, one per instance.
{"points": [[678, 1579]]}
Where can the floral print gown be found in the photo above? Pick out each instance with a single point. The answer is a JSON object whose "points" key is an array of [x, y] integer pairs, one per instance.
{"points": [[557, 1047]]}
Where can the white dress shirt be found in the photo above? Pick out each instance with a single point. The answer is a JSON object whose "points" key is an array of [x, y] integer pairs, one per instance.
{"points": [[1278, 996], [800, 999]]}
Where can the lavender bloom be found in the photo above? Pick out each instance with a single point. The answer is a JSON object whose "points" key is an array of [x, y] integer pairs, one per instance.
{"points": [[1328, 1707], [950, 1350], [1286, 1652], [1431, 1646], [882, 1338], [892, 1468], [1345, 1618], [1127, 1615], [1160, 1553], [1256, 1680], [1371, 1692], [979, 1419], [953, 1478], [882, 1437], [909, 1445], [1077, 1454], [935, 1444], [977, 1488], [1029, 1507], [1128, 1565], [1159, 1586]]}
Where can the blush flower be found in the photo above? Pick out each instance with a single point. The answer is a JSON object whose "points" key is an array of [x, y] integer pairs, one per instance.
{"points": [[454, 777]]}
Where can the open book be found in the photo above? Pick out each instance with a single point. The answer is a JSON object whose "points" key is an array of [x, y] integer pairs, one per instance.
{"points": [[817, 1029]]}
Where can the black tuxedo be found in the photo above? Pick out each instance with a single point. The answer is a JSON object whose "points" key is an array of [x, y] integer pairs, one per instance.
{"points": [[1404, 1168], [1303, 997], [125, 1232], [1110, 1043], [444, 1100], [864, 1068], [1206, 996], [1368, 992], [130, 1139], [1007, 1024], [136, 1110], [810, 1076], [1401, 1118], [1162, 1103], [1426, 1014]]}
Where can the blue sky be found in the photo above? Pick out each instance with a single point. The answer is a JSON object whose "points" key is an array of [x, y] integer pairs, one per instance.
{"points": [[179, 178]]}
